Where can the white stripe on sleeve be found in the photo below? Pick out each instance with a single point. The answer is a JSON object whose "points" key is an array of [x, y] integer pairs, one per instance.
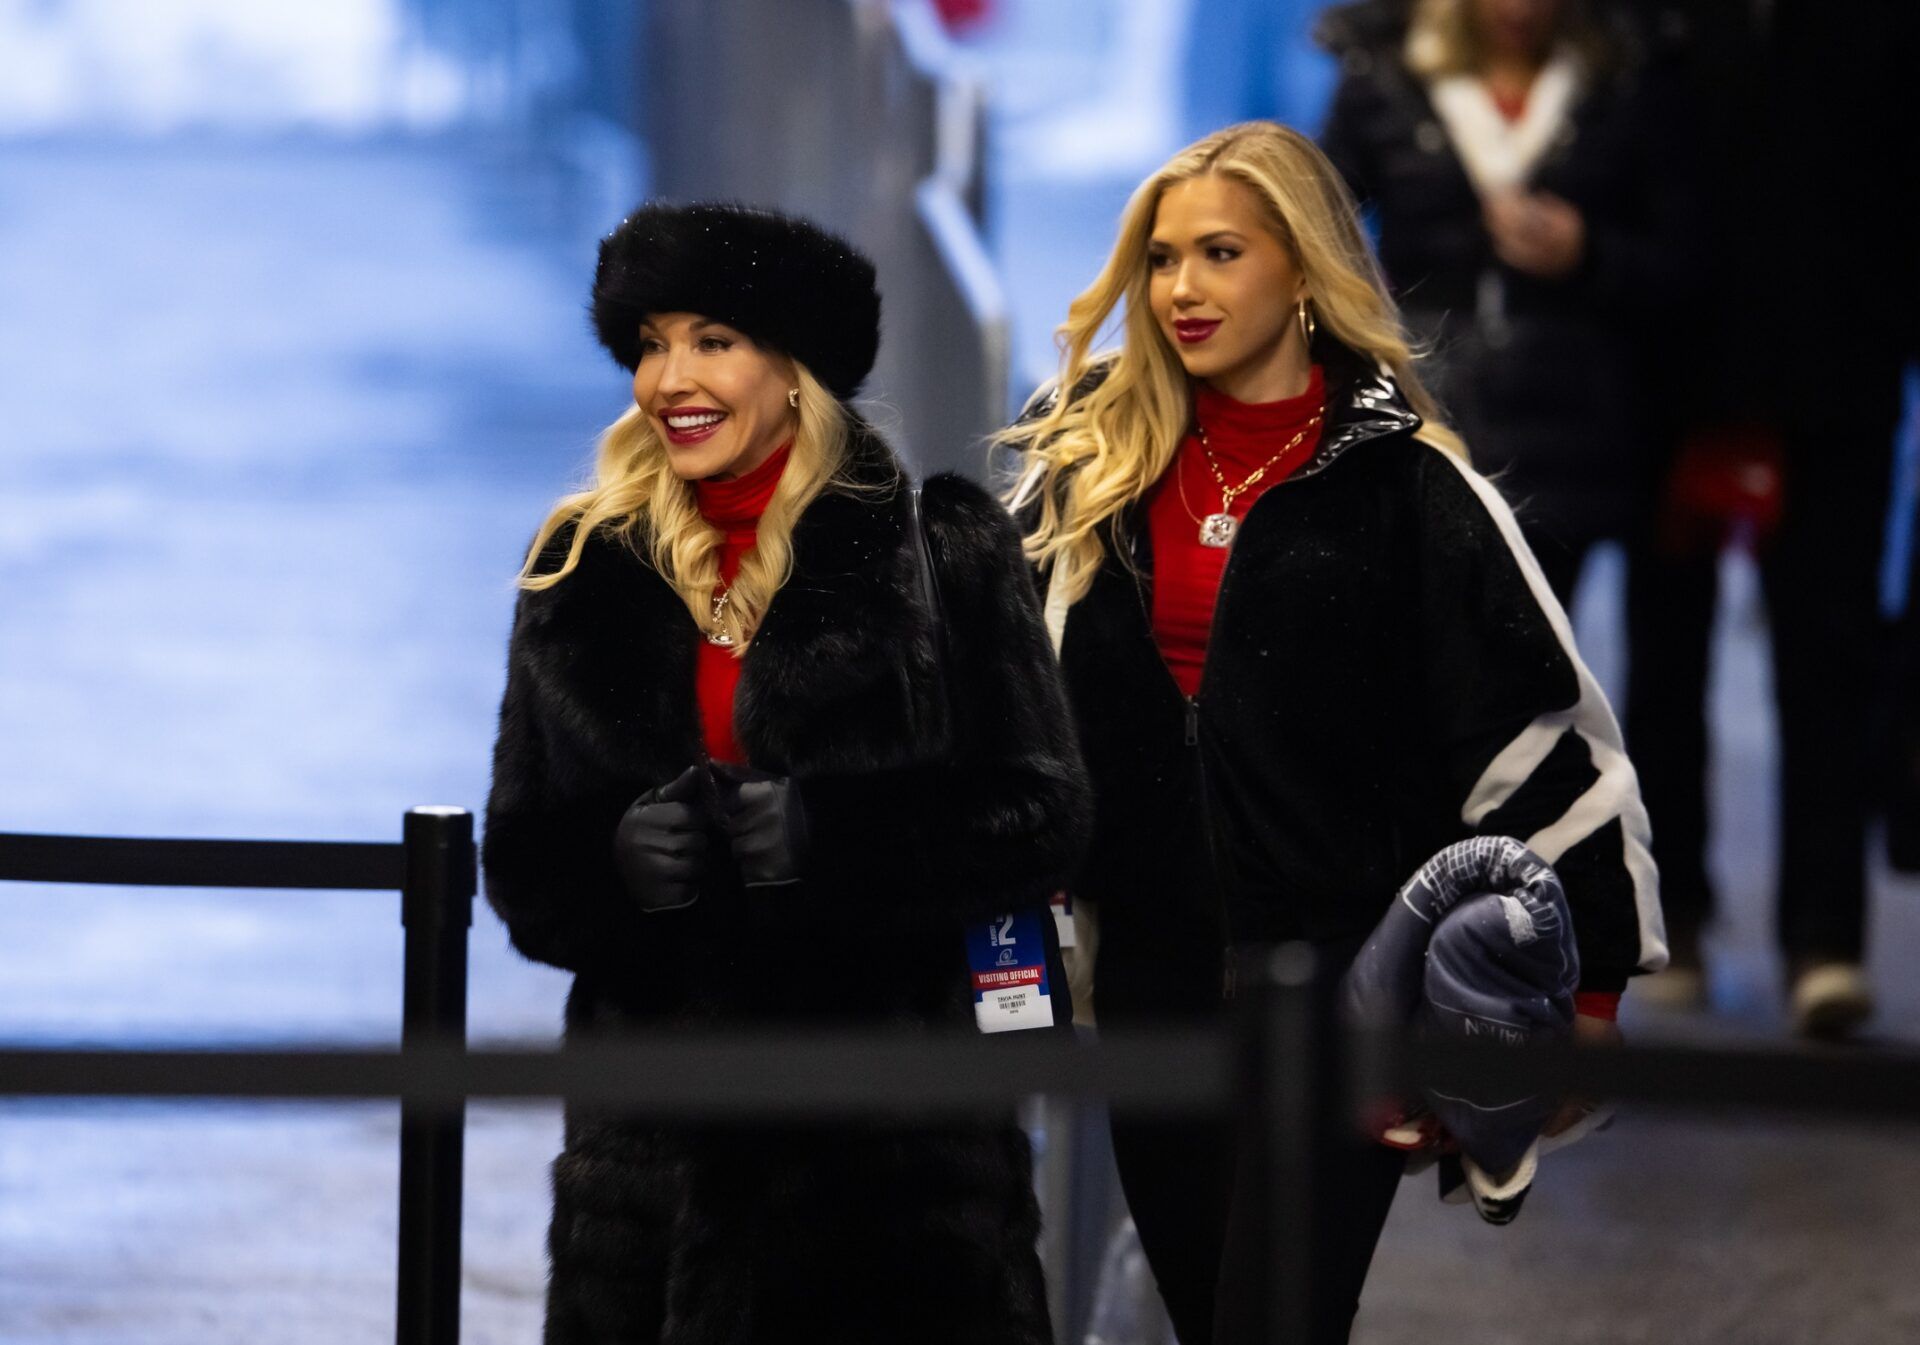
{"points": [[1616, 794]]}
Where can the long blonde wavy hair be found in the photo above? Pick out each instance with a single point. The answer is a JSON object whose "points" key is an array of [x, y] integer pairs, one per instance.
{"points": [[637, 497], [1089, 457]]}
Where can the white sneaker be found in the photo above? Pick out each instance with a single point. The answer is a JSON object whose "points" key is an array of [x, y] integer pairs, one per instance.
{"points": [[1829, 1000], [1498, 1199]]}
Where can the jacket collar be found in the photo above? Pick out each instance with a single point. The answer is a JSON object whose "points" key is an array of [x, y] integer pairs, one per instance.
{"points": [[842, 530], [1364, 401]]}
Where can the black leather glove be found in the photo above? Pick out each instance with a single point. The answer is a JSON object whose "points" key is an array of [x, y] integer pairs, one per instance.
{"points": [[766, 824], [662, 845]]}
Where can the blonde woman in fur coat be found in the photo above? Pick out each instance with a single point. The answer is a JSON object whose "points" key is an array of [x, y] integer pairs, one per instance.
{"points": [[747, 775]]}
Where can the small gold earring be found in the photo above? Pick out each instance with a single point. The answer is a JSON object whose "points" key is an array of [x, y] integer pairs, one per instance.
{"points": [[793, 398], [1307, 325]]}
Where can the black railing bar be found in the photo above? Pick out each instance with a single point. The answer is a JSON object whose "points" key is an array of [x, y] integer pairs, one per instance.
{"points": [[1820, 1081], [740, 1076], [133, 862], [436, 910], [849, 1073]]}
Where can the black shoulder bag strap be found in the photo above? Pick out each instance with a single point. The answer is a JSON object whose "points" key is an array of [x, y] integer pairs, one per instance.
{"points": [[929, 584], [1019, 1001]]}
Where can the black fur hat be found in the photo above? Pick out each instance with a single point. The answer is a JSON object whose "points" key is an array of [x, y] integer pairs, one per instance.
{"points": [[783, 281]]}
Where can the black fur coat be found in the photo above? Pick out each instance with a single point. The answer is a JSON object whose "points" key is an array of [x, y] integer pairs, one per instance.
{"points": [[929, 808]]}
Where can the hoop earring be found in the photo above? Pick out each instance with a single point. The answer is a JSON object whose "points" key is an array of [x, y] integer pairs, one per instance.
{"points": [[1307, 325], [793, 398]]}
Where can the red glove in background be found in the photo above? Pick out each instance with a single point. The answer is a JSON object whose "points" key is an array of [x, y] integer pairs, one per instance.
{"points": [[1728, 485], [961, 14]]}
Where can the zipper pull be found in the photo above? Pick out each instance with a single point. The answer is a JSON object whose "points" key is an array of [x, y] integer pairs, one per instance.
{"points": [[1193, 722]]}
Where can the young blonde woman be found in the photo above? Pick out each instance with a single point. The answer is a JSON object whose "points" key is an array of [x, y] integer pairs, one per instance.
{"points": [[746, 771], [1306, 649]]}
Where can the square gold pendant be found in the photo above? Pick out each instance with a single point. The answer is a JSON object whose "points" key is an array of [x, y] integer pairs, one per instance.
{"points": [[1218, 530]]}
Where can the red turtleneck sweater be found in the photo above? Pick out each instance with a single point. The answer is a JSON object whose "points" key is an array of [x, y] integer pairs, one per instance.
{"points": [[1186, 574], [734, 507]]}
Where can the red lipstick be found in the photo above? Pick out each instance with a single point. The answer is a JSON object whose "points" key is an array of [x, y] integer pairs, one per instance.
{"points": [[691, 424], [1192, 331]]}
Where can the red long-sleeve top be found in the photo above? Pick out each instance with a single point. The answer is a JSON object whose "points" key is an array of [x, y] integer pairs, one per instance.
{"points": [[1186, 573], [734, 507]]}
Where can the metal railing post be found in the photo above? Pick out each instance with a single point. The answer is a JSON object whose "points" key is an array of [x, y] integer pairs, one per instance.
{"points": [[1281, 1052], [436, 910]]}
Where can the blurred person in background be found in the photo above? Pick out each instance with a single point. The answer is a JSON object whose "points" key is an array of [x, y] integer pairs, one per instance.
{"points": [[1307, 648], [1790, 397], [1522, 163], [737, 780]]}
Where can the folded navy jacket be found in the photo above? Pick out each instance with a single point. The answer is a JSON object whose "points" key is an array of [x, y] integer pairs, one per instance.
{"points": [[1479, 944]]}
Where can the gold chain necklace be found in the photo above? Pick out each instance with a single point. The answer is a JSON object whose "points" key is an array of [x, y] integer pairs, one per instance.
{"points": [[1180, 480], [1217, 530]]}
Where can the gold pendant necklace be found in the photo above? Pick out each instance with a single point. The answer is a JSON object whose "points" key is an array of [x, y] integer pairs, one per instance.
{"points": [[1180, 480], [717, 632], [1218, 530]]}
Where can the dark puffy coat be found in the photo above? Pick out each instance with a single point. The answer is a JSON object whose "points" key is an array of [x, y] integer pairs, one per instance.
{"points": [[1387, 674], [858, 1233], [1557, 392]]}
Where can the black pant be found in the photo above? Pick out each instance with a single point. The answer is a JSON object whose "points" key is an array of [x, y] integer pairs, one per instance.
{"points": [[1198, 1220], [1820, 577], [1197, 1207], [1178, 1181]]}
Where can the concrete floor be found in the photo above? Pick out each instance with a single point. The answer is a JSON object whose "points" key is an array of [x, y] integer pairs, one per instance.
{"points": [[278, 420]]}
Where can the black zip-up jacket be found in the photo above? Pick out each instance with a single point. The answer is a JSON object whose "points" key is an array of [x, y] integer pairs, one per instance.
{"points": [[1387, 673]]}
